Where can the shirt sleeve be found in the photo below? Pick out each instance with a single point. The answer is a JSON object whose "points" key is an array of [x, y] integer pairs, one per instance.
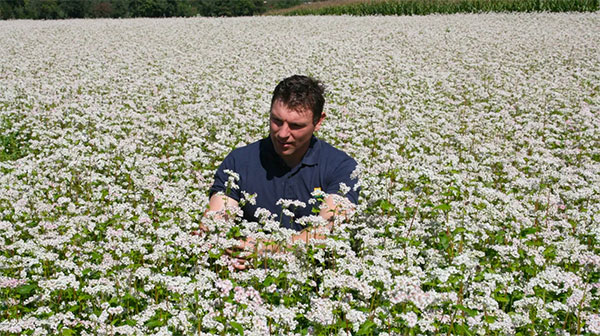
{"points": [[221, 178], [342, 173]]}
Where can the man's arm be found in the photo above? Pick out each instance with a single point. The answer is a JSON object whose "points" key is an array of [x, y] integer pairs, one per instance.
{"points": [[331, 210], [219, 202]]}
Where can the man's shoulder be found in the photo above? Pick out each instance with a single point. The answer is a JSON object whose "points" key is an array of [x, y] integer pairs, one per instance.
{"points": [[339, 171], [248, 149], [329, 153]]}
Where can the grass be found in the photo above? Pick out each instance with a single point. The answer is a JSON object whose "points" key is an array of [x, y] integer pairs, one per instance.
{"points": [[13, 143], [424, 7]]}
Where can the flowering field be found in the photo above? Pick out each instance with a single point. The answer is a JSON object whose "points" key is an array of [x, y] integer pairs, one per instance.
{"points": [[478, 139]]}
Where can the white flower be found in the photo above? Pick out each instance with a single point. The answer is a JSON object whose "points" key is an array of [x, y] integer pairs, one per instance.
{"points": [[321, 311], [592, 323], [410, 318], [344, 189]]}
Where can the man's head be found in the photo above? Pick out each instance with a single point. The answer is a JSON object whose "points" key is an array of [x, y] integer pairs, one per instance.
{"points": [[301, 93], [296, 113]]}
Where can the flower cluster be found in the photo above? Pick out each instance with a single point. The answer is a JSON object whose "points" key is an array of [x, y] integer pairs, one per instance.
{"points": [[477, 138]]}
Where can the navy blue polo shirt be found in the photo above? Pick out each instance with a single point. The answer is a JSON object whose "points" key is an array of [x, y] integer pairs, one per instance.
{"points": [[264, 173]]}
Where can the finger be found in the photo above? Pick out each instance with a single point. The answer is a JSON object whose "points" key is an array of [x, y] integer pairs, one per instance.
{"points": [[237, 253], [201, 229], [248, 245], [239, 264], [244, 246]]}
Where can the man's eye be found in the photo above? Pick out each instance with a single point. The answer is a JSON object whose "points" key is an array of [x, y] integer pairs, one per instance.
{"points": [[276, 121], [296, 126]]}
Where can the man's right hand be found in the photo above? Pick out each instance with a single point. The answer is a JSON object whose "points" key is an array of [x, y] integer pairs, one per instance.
{"points": [[242, 253], [201, 229]]}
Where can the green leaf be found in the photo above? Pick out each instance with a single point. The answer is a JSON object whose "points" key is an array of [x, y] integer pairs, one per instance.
{"points": [[459, 230], [238, 327], [385, 205], [67, 332], [501, 298], [268, 281], [128, 296], [468, 311], [443, 207], [130, 322], [26, 289], [462, 330], [500, 237], [480, 206], [444, 240], [550, 252], [529, 270], [366, 327], [528, 231], [154, 323], [96, 257]]}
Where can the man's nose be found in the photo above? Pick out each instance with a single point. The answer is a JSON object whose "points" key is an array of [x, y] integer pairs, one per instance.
{"points": [[284, 131]]}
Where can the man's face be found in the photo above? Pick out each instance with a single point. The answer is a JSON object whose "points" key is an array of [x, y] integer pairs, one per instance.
{"points": [[291, 131]]}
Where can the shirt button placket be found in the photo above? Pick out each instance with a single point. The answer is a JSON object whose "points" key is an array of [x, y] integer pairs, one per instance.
{"points": [[289, 188]]}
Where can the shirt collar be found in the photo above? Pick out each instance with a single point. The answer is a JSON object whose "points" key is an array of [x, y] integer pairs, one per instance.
{"points": [[312, 154], [310, 158]]}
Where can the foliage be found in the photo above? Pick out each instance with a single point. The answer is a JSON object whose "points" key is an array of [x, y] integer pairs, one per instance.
{"points": [[62, 9], [14, 138], [424, 7]]}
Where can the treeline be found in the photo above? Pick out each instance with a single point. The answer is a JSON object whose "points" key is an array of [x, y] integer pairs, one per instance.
{"points": [[64, 9]]}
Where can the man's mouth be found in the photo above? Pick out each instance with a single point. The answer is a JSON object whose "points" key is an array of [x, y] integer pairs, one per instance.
{"points": [[284, 145]]}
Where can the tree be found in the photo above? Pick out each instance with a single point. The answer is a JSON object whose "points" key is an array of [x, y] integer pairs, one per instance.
{"points": [[230, 7], [148, 8], [74, 9], [102, 9], [11, 9], [59, 9], [279, 4]]}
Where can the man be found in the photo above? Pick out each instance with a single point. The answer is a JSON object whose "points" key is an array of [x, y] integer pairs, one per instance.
{"points": [[291, 163]]}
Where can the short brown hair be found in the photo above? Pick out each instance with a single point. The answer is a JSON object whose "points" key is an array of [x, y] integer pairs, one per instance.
{"points": [[301, 92]]}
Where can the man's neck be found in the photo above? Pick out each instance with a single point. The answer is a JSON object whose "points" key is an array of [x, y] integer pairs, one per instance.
{"points": [[295, 160], [292, 162]]}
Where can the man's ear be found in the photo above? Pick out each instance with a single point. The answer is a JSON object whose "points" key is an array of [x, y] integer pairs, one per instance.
{"points": [[318, 124]]}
